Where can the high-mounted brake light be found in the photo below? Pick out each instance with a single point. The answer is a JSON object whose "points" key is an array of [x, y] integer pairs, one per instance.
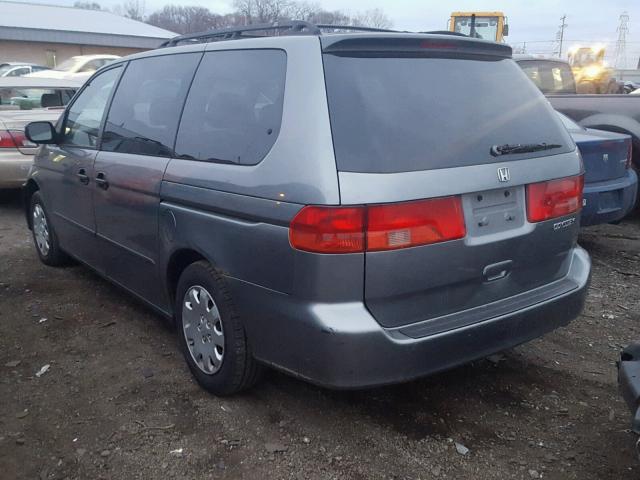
{"points": [[13, 139], [377, 227], [554, 198]]}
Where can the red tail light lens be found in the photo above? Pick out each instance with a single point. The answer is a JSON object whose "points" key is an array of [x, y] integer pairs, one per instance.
{"points": [[328, 229], [13, 139], [377, 227], [555, 198], [414, 223]]}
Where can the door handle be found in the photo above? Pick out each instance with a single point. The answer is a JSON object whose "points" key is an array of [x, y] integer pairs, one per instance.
{"points": [[101, 181], [82, 176], [497, 271]]}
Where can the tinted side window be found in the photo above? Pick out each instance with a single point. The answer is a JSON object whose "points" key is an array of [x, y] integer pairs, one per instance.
{"points": [[82, 125], [234, 108], [146, 108]]}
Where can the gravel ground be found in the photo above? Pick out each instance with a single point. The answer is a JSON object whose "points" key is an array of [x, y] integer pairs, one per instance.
{"points": [[117, 401]]}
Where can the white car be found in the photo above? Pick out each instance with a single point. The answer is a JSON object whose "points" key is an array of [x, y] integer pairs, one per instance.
{"points": [[79, 67], [18, 69]]}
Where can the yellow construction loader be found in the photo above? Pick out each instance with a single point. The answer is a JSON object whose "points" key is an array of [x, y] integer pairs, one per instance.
{"points": [[486, 25], [590, 71]]}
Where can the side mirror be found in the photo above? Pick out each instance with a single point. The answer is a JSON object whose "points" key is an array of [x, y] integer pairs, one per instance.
{"points": [[505, 30], [41, 132]]}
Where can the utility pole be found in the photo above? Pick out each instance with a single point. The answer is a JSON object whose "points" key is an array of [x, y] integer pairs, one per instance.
{"points": [[621, 44], [560, 34]]}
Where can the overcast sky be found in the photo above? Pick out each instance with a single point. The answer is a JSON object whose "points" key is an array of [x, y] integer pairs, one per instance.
{"points": [[535, 21]]}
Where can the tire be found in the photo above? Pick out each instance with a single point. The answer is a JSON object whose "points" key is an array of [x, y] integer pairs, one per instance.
{"points": [[211, 334], [44, 236]]}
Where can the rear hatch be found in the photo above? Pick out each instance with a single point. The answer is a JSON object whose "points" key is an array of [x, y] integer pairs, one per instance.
{"points": [[418, 117]]}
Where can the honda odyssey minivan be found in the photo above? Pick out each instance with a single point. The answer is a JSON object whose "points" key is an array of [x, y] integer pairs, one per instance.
{"points": [[348, 208]]}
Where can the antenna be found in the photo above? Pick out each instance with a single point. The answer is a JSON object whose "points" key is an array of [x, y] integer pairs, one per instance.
{"points": [[560, 36], [621, 44]]}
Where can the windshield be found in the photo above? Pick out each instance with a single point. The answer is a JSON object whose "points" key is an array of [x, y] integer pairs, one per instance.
{"points": [[5, 68], [486, 27], [68, 65], [407, 114]]}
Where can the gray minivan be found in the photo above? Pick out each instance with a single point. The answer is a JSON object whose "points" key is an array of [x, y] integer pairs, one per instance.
{"points": [[355, 209]]}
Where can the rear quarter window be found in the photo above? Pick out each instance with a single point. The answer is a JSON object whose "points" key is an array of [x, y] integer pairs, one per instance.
{"points": [[234, 108]]}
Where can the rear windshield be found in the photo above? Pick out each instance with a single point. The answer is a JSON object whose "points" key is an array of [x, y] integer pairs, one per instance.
{"points": [[406, 114], [549, 77]]}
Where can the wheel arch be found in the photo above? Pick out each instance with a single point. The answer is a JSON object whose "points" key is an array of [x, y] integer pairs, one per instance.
{"points": [[28, 190], [178, 261]]}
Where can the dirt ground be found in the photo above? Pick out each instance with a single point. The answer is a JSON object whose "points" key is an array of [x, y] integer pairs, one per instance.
{"points": [[118, 402]]}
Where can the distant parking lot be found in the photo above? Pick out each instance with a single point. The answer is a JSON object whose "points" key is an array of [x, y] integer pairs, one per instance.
{"points": [[117, 400]]}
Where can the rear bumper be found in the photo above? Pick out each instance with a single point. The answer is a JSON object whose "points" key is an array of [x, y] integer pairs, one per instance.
{"points": [[342, 345], [609, 201], [629, 382], [14, 168]]}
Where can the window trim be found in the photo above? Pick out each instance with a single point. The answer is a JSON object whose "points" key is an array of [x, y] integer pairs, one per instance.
{"points": [[122, 66], [284, 90]]}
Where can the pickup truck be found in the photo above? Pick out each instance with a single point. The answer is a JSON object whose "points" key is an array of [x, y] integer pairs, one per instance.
{"points": [[614, 113]]}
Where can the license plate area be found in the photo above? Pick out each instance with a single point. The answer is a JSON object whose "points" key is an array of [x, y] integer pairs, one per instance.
{"points": [[494, 212]]}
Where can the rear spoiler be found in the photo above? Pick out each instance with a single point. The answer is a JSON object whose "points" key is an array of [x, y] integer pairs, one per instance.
{"points": [[412, 44]]}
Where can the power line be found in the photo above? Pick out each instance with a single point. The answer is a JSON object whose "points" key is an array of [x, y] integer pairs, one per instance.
{"points": [[560, 34]]}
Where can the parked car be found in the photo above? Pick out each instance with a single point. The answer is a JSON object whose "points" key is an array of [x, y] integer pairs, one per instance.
{"points": [[78, 67], [629, 383], [348, 226], [17, 69], [613, 113], [611, 184], [23, 100]]}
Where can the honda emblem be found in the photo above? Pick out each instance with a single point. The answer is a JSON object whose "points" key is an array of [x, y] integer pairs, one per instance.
{"points": [[503, 174]]}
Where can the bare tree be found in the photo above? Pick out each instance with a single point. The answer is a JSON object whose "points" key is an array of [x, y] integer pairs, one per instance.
{"points": [[193, 19], [375, 18], [133, 9], [188, 19], [88, 5]]}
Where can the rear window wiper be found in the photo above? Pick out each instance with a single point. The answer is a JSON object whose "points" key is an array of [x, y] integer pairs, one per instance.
{"points": [[508, 149]]}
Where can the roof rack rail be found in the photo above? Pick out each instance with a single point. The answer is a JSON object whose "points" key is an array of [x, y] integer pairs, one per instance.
{"points": [[297, 27], [294, 27]]}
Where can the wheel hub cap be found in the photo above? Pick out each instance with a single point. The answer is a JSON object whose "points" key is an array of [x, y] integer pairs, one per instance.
{"points": [[202, 327], [41, 230]]}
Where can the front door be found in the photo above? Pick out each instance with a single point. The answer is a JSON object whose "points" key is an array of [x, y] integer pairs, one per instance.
{"points": [[66, 169], [136, 146]]}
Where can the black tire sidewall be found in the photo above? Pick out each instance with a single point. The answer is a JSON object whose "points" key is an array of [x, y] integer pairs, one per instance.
{"points": [[227, 379]]}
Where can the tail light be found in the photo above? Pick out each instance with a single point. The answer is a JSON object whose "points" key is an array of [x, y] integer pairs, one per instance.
{"points": [[13, 139], [377, 227], [555, 198], [414, 223], [328, 229]]}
